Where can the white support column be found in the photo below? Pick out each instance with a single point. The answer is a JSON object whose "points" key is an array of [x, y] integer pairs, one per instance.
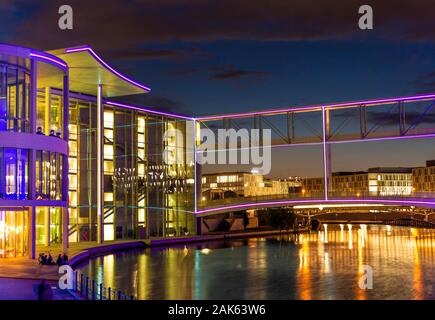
{"points": [[326, 152], [100, 177], [32, 162], [196, 169], [32, 232], [47, 218], [65, 166], [65, 230], [47, 128]]}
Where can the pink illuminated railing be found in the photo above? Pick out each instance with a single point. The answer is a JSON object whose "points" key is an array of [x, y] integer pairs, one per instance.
{"points": [[243, 203]]}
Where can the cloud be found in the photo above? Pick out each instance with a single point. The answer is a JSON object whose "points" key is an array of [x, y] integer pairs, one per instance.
{"points": [[126, 23], [137, 53], [235, 74], [425, 82], [185, 72], [158, 102]]}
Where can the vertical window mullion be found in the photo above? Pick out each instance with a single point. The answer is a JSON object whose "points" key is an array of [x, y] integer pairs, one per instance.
{"points": [[17, 102]]}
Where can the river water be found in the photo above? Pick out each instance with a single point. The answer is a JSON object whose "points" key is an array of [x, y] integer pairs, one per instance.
{"points": [[332, 264]]}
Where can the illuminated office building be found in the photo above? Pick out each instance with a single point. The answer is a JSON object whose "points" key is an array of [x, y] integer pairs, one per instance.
{"points": [[374, 182], [76, 165], [245, 184], [423, 179]]}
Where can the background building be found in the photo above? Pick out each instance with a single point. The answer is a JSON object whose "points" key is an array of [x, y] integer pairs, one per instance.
{"points": [[245, 184], [423, 179], [374, 182]]}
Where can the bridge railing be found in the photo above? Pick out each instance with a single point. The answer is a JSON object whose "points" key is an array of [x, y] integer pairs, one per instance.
{"points": [[354, 196], [89, 289], [206, 203]]}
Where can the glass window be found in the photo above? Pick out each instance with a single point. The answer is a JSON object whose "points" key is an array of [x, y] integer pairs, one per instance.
{"points": [[49, 175], [13, 173], [14, 98], [13, 233], [55, 225]]}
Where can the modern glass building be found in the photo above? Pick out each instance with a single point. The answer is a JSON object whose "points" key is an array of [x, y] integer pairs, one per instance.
{"points": [[77, 166]]}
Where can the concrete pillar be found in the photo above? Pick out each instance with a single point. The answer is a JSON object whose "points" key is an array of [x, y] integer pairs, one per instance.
{"points": [[32, 232], [197, 166], [47, 225], [363, 121], [47, 111], [198, 222], [32, 162], [33, 92], [65, 168], [65, 229], [327, 160], [100, 177]]}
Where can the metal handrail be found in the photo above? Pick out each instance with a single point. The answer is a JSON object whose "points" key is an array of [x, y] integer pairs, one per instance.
{"points": [[89, 289], [334, 195]]}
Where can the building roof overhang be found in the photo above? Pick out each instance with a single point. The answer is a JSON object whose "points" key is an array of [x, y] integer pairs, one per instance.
{"points": [[87, 70]]}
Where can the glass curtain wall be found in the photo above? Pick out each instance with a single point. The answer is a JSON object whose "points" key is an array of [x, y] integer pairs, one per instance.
{"points": [[48, 172], [170, 172], [144, 195], [82, 171], [13, 233], [14, 172], [48, 225], [14, 98]]}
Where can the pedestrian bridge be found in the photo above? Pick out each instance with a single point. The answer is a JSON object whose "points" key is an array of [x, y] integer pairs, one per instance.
{"points": [[251, 203], [326, 126]]}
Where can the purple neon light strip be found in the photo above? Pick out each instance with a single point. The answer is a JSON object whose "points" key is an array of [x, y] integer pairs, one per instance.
{"points": [[258, 204], [319, 201], [92, 52], [47, 58], [168, 114], [319, 107], [325, 162]]}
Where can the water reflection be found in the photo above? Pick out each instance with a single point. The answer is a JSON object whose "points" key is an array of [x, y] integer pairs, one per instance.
{"points": [[320, 265]]}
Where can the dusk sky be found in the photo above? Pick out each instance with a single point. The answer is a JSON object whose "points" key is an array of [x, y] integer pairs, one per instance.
{"points": [[211, 57]]}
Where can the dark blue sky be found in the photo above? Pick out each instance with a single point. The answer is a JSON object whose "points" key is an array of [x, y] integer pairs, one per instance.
{"points": [[287, 73], [207, 57], [202, 57]]}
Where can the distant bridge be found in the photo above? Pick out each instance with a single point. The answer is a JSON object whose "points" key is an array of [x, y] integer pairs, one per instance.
{"points": [[410, 223]]}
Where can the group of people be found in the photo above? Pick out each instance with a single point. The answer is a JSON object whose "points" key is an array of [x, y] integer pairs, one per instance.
{"points": [[52, 132], [47, 259]]}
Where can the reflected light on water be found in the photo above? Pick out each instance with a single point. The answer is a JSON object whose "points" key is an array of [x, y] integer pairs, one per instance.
{"points": [[342, 232], [205, 251], [316, 265], [388, 230]]}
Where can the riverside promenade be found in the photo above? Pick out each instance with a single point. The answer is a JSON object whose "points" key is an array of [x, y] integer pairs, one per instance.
{"points": [[19, 277]]}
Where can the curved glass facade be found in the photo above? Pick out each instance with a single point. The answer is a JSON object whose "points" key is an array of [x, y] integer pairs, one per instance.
{"points": [[144, 195], [75, 168], [49, 178], [14, 98], [14, 241], [14, 173], [33, 150]]}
